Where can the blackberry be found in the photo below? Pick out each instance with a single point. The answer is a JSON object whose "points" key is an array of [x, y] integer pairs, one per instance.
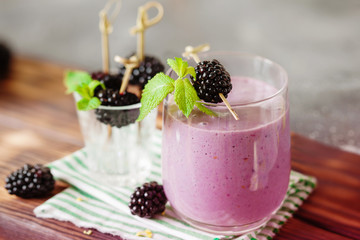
{"points": [[146, 70], [148, 200], [110, 81], [30, 181], [117, 118], [212, 79]]}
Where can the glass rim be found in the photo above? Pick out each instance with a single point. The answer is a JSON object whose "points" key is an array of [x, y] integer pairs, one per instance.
{"points": [[114, 108], [283, 87], [126, 107]]}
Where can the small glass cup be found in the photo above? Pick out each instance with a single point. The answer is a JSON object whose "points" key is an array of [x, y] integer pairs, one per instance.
{"points": [[226, 176], [117, 154]]}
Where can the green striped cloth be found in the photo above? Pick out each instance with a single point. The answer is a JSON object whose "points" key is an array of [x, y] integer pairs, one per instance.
{"points": [[90, 204]]}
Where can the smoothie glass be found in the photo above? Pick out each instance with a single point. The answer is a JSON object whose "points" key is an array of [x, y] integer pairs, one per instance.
{"points": [[117, 155], [227, 176]]}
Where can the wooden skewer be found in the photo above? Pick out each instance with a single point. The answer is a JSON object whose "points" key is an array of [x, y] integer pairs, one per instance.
{"points": [[105, 26], [229, 106], [195, 57], [129, 64], [126, 78], [143, 22], [193, 52], [105, 29], [109, 128]]}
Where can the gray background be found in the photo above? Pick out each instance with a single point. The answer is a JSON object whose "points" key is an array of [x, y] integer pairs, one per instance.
{"points": [[316, 41]]}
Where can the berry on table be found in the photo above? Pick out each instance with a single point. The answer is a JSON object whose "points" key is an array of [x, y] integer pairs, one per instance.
{"points": [[30, 181], [148, 200], [212, 79]]}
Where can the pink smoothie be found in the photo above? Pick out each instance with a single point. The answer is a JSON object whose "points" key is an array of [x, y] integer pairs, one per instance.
{"points": [[219, 171]]}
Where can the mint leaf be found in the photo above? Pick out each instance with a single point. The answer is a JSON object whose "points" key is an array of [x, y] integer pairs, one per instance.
{"points": [[83, 91], [84, 85], [161, 85], [191, 71], [179, 66], [88, 104], [75, 78], [82, 104], [154, 92], [204, 109], [93, 85], [93, 103], [185, 96], [173, 65]]}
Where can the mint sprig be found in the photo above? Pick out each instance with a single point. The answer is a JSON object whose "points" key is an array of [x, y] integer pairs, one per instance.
{"points": [[161, 85], [181, 68], [185, 96], [154, 92], [84, 85]]}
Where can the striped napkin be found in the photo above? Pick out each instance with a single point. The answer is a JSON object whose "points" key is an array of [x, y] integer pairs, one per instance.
{"points": [[90, 204]]}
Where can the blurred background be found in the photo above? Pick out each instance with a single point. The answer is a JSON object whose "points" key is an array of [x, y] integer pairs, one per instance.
{"points": [[316, 41]]}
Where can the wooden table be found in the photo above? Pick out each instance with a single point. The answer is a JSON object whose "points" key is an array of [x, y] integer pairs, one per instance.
{"points": [[38, 124]]}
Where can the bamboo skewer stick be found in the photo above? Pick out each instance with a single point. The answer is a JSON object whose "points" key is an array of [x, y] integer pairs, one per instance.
{"points": [[129, 64], [109, 128], [229, 106], [143, 22], [105, 30], [193, 52], [105, 26], [126, 78]]}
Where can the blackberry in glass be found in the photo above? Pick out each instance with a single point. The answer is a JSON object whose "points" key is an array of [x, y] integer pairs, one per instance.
{"points": [[113, 117], [146, 70], [110, 81]]}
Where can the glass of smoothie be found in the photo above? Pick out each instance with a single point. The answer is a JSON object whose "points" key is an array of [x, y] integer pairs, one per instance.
{"points": [[224, 175]]}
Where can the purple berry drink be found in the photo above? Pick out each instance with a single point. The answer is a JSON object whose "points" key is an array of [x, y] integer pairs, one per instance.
{"points": [[228, 176]]}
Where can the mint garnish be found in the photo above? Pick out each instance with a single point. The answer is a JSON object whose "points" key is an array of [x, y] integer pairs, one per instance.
{"points": [[181, 67], [154, 92], [185, 96], [161, 85], [84, 85]]}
